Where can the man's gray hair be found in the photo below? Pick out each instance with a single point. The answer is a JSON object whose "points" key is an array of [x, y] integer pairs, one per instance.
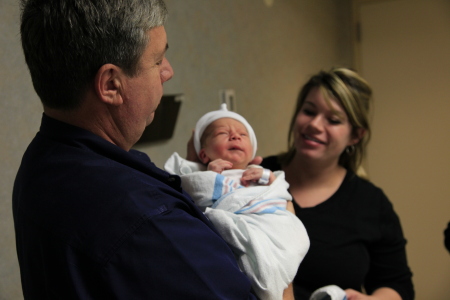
{"points": [[65, 42]]}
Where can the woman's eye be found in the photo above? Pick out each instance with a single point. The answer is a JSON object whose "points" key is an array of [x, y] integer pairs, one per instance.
{"points": [[335, 121], [308, 112]]}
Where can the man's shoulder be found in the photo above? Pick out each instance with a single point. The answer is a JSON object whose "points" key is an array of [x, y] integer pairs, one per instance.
{"points": [[73, 192]]}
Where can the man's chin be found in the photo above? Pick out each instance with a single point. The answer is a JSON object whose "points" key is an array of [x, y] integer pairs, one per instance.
{"points": [[150, 119]]}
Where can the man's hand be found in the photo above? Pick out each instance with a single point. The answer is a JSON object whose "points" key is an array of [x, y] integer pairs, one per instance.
{"points": [[190, 151], [256, 161]]}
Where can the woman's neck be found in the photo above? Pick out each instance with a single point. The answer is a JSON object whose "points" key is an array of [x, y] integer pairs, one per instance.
{"points": [[307, 171], [312, 182]]}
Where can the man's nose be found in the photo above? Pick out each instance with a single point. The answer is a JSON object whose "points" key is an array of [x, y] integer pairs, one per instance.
{"points": [[166, 71]]}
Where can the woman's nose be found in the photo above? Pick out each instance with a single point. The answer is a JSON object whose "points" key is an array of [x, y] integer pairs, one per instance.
{"points": [[316, 122]]}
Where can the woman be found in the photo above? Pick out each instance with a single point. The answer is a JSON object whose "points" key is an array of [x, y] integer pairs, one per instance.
{"points": [[356, 237]]}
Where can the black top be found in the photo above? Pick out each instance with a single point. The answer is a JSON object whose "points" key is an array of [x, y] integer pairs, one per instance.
{"points": [[356, 240], [94, 221]]}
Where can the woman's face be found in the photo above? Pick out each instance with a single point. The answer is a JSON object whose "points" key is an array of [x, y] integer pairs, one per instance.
{"points": [[322, 130]]}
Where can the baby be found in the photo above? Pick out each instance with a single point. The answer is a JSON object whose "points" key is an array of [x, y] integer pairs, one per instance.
{"points": [[247, 204], [227, 143]]}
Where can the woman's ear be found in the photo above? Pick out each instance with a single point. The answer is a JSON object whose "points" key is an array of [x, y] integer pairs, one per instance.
{"points": [[358, 134], [108, 84], [203, 157]]}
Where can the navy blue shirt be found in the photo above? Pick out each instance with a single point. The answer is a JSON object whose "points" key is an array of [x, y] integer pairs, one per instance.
{"points": [[94, 221]]}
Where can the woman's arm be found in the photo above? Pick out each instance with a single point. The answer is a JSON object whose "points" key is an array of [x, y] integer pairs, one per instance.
{"points": [[288, 293], [389, 270], [379, 294]]}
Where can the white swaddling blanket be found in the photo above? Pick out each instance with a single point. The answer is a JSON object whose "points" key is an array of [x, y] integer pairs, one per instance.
{"points": [[269, 242]]}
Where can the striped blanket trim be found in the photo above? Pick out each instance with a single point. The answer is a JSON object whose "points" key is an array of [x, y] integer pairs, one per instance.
{"points": [[263, 206]]}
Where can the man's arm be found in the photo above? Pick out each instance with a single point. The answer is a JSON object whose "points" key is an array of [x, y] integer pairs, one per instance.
{"points": [[175, 255]]}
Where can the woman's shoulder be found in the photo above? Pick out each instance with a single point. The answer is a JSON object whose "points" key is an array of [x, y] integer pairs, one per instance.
{"points": [[362, 192], [360, 183]]}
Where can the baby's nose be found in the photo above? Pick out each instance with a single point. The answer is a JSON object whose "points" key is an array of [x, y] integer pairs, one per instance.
{"points": [[234, 136]]}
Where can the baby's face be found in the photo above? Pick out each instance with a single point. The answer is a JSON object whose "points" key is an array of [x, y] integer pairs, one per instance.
{"points": [[227, 139]]}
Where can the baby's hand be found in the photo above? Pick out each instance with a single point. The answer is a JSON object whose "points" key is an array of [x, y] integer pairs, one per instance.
{"points": [[254, 175], [219, 165]]}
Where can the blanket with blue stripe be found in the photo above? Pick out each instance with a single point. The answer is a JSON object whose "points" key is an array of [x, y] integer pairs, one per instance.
{"points": [[269, 242]]}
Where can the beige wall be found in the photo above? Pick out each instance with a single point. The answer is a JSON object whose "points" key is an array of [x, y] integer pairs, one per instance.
{"points": [[263, 53], [20, 112], [405, 56]]}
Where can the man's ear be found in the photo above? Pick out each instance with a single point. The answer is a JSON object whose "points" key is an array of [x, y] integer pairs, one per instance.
{"points": [[358, 134], [108, 84], [203, 157]]}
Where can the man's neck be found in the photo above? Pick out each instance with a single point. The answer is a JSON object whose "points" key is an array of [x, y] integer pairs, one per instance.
{"points": [[94, 119]]}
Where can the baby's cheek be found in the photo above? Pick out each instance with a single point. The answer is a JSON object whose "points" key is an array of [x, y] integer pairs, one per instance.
{"points": [[218, 148], [214, 151]]}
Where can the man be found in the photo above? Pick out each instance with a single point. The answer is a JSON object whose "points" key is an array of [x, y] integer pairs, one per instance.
{"points": [[95, 219]]}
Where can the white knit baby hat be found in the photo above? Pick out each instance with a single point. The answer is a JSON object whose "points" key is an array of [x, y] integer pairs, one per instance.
{"points": [[212, 116]]}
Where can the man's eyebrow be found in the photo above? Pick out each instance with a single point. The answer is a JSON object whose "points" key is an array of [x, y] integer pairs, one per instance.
{"points": [[162, 53], [165, 49]]}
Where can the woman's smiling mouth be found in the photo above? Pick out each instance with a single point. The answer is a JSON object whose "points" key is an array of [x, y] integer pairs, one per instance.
{"points": [[310, 138]]}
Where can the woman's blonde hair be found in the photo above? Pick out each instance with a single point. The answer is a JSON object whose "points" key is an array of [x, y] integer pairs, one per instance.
{"points": [[354, 94]]}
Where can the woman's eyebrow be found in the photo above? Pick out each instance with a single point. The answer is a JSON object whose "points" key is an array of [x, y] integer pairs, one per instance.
{"points": [[310, 103]]}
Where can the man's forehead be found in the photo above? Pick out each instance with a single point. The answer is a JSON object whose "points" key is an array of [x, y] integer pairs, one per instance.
{"points": [[158, 39]]}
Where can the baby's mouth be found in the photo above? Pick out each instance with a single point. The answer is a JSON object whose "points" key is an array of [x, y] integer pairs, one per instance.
{"points": [[235, 148]]}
